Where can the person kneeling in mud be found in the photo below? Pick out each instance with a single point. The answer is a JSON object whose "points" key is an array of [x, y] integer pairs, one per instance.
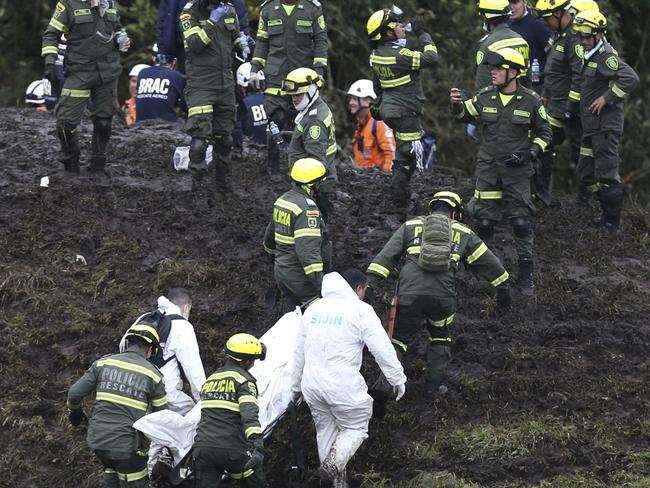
{"points": [[434, 246]]}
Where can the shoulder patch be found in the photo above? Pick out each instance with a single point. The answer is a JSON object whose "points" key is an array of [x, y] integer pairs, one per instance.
{"points": [[479, 57], [253, 388], [580, 51], [321, 22], [612, 63], [314, 131], [189, 5]]}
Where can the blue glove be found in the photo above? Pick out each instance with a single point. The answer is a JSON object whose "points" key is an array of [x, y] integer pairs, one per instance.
{"points": [[217, 14]]}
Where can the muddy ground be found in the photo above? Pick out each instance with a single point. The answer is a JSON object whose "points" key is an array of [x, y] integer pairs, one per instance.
{"points": [[554, 394]]}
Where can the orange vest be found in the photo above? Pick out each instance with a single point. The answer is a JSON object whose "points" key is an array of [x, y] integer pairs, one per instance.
{"points": [[128, 110], [373, 148]]}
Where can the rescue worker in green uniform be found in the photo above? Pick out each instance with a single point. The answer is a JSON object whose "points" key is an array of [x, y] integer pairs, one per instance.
{"points": [[92, 67], [127, 386], [291, 34], [210, 30], [514, 134], [295, 237], [495, 15], [229, 436], [606, 81], [314, 134], [562, 79], [434, 246], [396, 77]]}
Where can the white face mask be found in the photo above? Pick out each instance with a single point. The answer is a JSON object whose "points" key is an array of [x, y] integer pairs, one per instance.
{"points": [[307, 99], [401, 42]]}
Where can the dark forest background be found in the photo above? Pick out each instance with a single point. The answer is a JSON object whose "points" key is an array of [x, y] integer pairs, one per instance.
{"points": [[454, 25]]}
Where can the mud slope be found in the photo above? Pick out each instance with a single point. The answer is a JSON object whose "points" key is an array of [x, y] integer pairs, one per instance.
{"points": [[555, 394]]}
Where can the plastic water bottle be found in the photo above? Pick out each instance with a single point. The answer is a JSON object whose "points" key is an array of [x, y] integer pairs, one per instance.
{"points": [[122, 39], [534, 72], [275, 133], [245, 50]]}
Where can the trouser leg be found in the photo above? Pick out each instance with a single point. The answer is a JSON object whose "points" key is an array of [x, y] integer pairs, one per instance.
{"points": [[408, 155], [325, 423], [207, 473], [608, 180], [101, 136], [277, 110], [69, 140], [586, 172], [69, 109], [439, 350], [221, 160]]}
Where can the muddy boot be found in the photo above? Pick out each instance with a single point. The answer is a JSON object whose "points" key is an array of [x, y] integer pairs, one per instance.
{"points": [[583, 198], [400, 188], [101, 135], [611, 203], [69, 139], [221, 160], [526, 276], [198, 167]]}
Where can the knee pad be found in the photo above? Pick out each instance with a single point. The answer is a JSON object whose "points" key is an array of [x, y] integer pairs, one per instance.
{"points": [[485, 228], [197, 150], [223, 145], [521, 226]]}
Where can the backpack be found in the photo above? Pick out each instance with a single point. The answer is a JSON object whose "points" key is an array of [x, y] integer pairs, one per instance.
{"points": [[163, 324], [435, 247]]}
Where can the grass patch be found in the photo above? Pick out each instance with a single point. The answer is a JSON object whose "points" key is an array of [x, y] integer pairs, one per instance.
{"points": [[437, 480], [17, 287], [185, 272], [575, 479], [116, 247]]}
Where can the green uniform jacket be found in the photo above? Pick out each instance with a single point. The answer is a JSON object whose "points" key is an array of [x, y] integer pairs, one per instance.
{"points": [[397, 76], [126, 386], [499, 37], [229, 409], [413, 280], [295, 236], [506, 130], [286, 42], [605, 74], [90, 39], [315, 137], [562, 75], [209, 47]]}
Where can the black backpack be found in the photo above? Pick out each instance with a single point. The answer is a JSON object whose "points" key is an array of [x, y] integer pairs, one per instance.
{"points": [[163, 324]]}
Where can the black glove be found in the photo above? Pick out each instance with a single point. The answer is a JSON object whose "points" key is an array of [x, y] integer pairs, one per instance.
{"points": [[374, 111], [77, 416], [520, 158], [257, 455], [418, 23], [503, 297], [50, 73]]}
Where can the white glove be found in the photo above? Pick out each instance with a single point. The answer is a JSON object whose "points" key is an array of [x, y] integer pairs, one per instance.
{"points": [[418, 149], [254, 80], [398, 391]]}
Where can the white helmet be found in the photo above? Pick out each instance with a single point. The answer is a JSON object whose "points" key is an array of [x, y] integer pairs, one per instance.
{"points": [[244, 74], [362, 89], [37, 91], [135, 71]]}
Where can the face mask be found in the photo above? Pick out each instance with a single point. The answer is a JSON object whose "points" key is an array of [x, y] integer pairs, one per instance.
{"points": [[401, 42]]}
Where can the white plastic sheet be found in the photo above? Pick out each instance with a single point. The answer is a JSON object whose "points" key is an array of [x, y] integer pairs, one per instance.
{"points": [[273, 377]]}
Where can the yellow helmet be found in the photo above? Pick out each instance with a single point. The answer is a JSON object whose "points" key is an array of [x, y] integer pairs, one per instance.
{"points": [[491, 9], [577, 6], [589, 23], [307, 171], [147, 333], [379, 22], [505, 58], [545, 8], [242, 347], [298, 81], [450, 198]]}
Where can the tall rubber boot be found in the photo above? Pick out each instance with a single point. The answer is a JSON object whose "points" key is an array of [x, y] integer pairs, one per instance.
{"points": [[273, 158], [611, 204], [400, 188], [583, 198], [221, 160], [101, 136], [526, 276], [69, 140]]}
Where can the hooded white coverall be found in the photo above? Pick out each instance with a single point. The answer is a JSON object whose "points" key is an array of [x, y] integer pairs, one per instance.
{"points": [[327, 359], [182, 344]]}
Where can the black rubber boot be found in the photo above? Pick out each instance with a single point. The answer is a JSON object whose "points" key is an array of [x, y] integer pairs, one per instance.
{"points": [[526, 276], [69, 139], [611, 203], [101, 136], [221, 160], [400, 188]]}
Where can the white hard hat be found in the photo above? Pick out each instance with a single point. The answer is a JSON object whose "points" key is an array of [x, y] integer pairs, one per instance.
{"points": [[135, 71], [244, 74], [362, 89], [37, 90]]}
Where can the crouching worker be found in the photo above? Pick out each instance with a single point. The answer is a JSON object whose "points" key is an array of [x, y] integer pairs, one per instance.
{"points": [[327, 358], [229, 436], [126, 387]]}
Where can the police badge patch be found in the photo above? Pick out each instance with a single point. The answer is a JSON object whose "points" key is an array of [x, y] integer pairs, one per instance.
{"points": [[479, 57], [252, 388], [312, 222], [612, 63], [314, 132]]}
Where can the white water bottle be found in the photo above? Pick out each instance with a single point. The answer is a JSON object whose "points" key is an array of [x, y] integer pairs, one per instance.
{"points": [[534, 72]]}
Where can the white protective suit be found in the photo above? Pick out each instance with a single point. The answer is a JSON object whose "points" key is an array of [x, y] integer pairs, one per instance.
{"points": [[327, 359]]}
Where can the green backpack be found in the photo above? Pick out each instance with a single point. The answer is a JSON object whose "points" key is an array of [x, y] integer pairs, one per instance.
{"points": [[435, 248]]}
